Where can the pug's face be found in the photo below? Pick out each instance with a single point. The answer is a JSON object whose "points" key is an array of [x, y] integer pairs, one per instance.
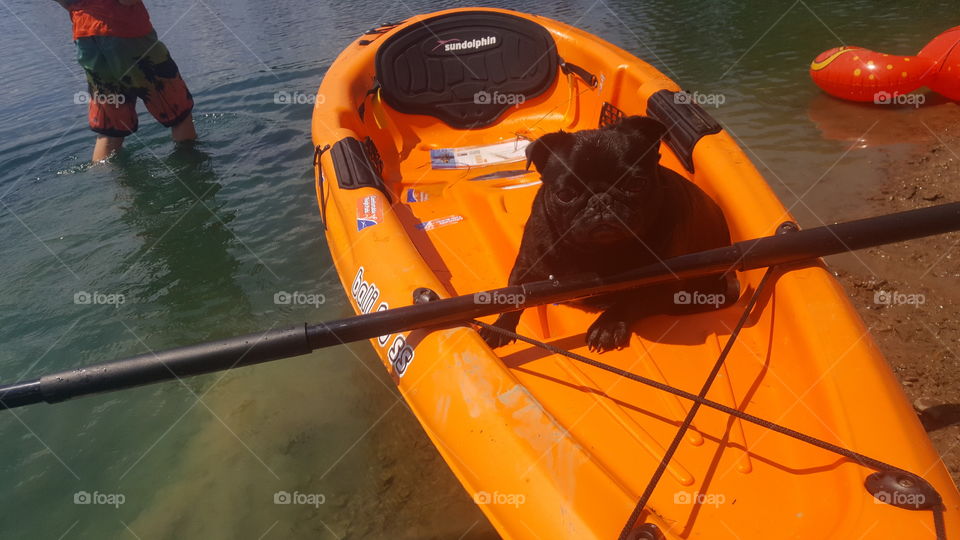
{"points": [[601, 186]]}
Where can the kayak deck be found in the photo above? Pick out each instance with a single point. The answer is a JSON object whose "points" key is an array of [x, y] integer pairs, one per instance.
{"points": [[475, 251]]}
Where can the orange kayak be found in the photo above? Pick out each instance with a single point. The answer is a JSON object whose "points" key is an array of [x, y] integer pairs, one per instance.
{"points": [[420, 129]]}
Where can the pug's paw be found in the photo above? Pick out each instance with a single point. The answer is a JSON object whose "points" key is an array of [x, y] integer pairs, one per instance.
{"points": [[610, 331], [506, 321]]}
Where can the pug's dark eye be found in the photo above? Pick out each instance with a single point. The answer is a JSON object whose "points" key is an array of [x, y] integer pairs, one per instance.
{"points": [[566, 195]]}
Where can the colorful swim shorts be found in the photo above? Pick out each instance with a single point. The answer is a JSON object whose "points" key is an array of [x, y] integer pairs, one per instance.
{"points": [[120, 70]]}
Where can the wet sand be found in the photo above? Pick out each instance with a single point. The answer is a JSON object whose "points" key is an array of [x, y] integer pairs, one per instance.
{"points": [[366, 483], [907, 293]]}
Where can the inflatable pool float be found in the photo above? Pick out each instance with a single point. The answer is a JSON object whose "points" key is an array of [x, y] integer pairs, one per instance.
{"points": [[420, 179], [859, 74]]}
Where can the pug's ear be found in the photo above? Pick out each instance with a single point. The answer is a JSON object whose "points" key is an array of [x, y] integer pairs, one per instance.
{"points": [[541, 150], [644, 134], [642, 125]]}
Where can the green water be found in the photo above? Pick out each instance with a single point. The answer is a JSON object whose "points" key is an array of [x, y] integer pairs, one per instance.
{"points": [[198, 240]]}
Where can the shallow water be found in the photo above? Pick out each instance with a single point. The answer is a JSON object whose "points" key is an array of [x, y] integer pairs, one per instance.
{"points": [[198, 240]]}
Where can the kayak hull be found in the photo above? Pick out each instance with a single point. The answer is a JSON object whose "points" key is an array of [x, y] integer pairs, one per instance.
{"points": [[548, 447]]}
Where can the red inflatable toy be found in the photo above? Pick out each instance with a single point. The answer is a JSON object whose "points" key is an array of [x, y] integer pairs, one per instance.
{"points": [[944, 51], [860, 74]]}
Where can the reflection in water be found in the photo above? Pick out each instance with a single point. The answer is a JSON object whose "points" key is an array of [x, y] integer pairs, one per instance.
{"points": [[184, 262], [872, 125]]}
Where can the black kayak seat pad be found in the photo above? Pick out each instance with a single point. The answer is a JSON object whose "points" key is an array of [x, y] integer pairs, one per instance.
{"points": [[466, 68]]}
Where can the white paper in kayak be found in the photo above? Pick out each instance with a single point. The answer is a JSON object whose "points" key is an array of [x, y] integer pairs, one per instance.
{"points": [[479, 156]]}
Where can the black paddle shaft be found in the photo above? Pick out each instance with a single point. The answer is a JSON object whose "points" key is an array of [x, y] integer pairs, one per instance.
{"points": [[793, 247]]}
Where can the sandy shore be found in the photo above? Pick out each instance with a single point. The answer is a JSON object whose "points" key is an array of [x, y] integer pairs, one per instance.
{"points": [[907, 293]]}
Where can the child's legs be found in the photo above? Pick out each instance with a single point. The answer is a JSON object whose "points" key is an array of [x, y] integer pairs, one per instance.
{"points": [[105, 146], [111, 122], [164, 93], [112, 112], [184, 131]]}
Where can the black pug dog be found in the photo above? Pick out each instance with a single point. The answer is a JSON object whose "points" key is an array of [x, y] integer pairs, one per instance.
{"points": [[606, 206]]}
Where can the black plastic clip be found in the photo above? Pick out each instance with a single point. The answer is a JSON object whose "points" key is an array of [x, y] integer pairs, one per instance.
{"points": [[647, 531], [423, 295], [587, 77], [788, 227], [903, 490]]}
